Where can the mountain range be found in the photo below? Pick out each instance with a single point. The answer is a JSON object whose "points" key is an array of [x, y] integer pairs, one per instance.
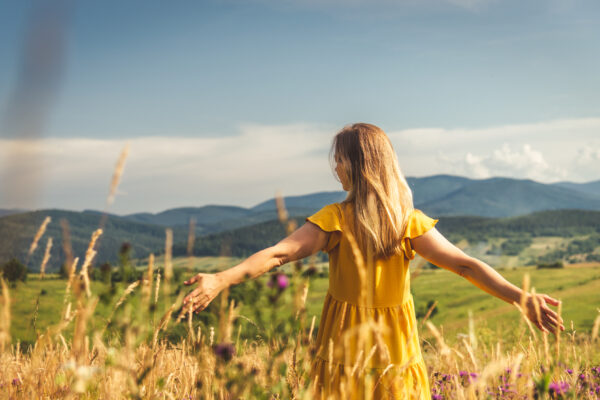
{"points": [[438, 196]]}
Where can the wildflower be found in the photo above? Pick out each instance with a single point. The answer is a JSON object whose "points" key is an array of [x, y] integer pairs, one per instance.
{"points": [[282, 281], [569, 371], [558, 388], [16, 382], [224, 350], [279, 281]]}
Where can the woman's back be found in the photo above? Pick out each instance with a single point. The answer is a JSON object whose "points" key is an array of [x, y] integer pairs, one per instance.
{"points": [[368, 307]]}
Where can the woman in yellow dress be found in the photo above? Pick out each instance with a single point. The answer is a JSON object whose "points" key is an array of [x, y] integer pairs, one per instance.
{"points": [[367, 341]]}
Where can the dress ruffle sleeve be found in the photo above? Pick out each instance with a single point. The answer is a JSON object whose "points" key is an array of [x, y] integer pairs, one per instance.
{"points": [[418, 224], [329, 220]]}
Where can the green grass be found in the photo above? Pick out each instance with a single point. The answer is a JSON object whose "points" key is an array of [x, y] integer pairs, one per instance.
{"points": [[578, 288]]}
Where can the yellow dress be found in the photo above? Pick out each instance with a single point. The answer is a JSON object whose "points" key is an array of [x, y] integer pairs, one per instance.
{"points": [[352, 360]]}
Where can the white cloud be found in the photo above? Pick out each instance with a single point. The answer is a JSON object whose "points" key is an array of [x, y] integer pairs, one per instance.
{"points": [[504, 161], [163, 172], [546, 151], [244, 169]]}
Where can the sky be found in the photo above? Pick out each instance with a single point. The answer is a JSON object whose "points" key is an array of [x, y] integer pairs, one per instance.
{"points": [[231, 101]]}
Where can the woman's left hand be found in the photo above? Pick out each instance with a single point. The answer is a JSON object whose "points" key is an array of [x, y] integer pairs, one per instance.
{"points": [[209, 286]]}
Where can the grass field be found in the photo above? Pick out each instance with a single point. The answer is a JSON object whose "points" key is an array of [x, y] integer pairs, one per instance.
{"points": [[578, 288], [145, 353]]}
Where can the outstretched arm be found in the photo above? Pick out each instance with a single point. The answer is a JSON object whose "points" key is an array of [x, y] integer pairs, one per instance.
{"points": [[303, 242], [435, 248]]}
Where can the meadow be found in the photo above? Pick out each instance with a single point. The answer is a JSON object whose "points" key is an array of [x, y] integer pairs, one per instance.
{"points": [[256, 340]]}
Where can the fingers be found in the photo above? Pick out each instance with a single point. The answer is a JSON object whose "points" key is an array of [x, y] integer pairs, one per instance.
{"points": [[196, 301], [553, 325], [550, 300], [193, 279], [192, 297], [548, 323], [540, 326], [554, 315]]}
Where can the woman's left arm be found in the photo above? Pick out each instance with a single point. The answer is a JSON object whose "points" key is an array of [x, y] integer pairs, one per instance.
{"points": [[435, 248], [303, 242]]}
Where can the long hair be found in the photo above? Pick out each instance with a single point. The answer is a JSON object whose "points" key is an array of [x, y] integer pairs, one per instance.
{"points": [[379, 194]]}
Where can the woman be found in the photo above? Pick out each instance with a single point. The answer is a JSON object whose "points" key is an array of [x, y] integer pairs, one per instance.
{"points": [[367, 343]]}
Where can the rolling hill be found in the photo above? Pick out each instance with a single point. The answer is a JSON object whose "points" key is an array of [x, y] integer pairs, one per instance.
{"points": [[592, 188], [18, 230], [466, 207], [244, 241], [505, 197], [438, 195]]}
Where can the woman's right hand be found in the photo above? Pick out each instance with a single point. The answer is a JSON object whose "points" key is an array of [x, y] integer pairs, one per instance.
{"points": [[548, 320], [209, 286]]}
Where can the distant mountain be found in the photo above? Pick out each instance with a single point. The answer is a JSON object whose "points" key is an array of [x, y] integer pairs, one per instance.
{"points": [[504, 197], [17, 232], [213, 218], [247, 240], [592, 188], [454, 195], [211, 214], [436, 187], [438, 196], [314, 201], [11, 211]]}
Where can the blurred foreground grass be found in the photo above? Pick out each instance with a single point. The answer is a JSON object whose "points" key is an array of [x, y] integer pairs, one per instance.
{"points": [[257, 341]]}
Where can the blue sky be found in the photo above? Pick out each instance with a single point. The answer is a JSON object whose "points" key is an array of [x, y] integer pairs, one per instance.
{"points": [[220, 73]]}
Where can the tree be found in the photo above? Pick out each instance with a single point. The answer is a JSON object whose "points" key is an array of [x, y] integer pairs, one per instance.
{"points": [[14, 271]]}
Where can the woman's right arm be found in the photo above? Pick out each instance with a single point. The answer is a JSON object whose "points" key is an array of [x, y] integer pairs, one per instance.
{"points": [[435, 248], [303, 242]]}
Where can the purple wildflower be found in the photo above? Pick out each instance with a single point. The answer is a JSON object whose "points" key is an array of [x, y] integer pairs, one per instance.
{"points": [[437, 397], [280, 281], [224, 350], [16, 382], [559, 388], [569, 371]]}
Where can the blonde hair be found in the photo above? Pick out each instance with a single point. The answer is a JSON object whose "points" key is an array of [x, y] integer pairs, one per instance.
{"points": [[379, 194]]}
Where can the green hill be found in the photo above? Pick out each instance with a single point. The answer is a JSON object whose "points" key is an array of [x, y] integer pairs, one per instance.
{"points": [[504, 197], [511, 236], [437, 195], [486, 237], [17, 232]]}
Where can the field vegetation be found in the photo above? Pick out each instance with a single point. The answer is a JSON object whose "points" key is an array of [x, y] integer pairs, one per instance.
{"points": [[95, 330], [256, 341]]}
